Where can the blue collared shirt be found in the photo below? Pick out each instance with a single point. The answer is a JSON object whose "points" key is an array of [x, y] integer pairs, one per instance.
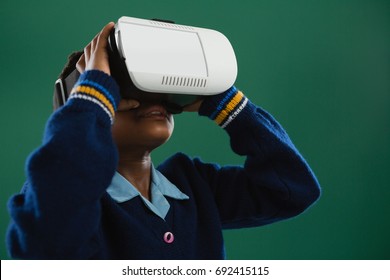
{"points": [[122, 190]]}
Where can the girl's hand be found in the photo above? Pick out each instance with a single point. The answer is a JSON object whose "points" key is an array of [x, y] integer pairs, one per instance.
{"points": [[95, 55]]}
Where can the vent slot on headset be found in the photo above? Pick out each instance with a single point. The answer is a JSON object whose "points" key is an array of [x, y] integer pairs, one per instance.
{"points": [[171, 25], [183, 81]]}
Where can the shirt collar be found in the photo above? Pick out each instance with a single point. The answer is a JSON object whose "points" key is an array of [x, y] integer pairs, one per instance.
{"points": [[159, 181], [122, 190]]}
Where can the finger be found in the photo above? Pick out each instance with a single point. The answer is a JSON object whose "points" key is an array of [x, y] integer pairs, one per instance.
{"points": [[127, 104], [80, 65], [93, 44], [102, 40], [87, 53], [94, 41]]}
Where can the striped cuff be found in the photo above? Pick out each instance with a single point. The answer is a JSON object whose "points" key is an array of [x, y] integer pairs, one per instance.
{"points": [[225, 107], [99, 88]]}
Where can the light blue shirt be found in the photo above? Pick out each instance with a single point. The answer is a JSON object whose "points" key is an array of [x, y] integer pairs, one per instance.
{"points": [[122, 190]]}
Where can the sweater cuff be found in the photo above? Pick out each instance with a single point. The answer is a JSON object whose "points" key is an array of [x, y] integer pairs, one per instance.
{"points": [[98, 88], [225, 107]]}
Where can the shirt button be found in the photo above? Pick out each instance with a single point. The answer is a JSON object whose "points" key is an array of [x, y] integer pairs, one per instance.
{"points": [[168, 237]]}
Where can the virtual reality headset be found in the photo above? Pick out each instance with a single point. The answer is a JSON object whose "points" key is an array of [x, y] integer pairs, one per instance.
{"points": [[183, 63]]}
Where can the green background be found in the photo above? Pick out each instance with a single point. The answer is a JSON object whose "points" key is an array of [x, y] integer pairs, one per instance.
{"points": [[322, 68]]}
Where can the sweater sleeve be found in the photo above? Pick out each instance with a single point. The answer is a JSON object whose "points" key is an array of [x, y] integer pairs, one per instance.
{"points": [[275, 181], [57, 213]]}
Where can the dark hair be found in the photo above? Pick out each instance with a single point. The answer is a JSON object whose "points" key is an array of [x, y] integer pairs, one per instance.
{"points": [[70, 64]]}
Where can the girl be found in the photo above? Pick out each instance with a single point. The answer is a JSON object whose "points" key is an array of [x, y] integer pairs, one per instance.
{"points": [[92, 191]]}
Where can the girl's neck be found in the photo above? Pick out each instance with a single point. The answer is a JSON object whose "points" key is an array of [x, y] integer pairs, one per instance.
{"points": [[137, 170]]}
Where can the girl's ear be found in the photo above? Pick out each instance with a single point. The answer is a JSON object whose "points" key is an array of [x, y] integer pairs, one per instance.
{"points": [[127, 104]]}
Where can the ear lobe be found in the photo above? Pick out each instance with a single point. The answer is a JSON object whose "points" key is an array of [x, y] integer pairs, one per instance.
{"points": [[127, 104]]}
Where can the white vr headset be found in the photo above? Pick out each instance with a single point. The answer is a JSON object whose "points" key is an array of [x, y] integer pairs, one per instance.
{"points": [[182, 62]]}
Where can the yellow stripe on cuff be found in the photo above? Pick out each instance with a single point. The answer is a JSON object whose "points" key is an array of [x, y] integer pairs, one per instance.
{"points": [[98, 95], [229, 107]]}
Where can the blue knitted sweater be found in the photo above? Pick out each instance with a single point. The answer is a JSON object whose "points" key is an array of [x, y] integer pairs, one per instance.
{"points": [[64, 211]]}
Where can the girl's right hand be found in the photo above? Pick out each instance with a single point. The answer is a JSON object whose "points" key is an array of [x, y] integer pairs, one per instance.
{"points": [[95, 55]]}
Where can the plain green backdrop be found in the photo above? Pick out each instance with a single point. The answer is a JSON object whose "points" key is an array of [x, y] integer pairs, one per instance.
{"points": [[322, 68]]}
